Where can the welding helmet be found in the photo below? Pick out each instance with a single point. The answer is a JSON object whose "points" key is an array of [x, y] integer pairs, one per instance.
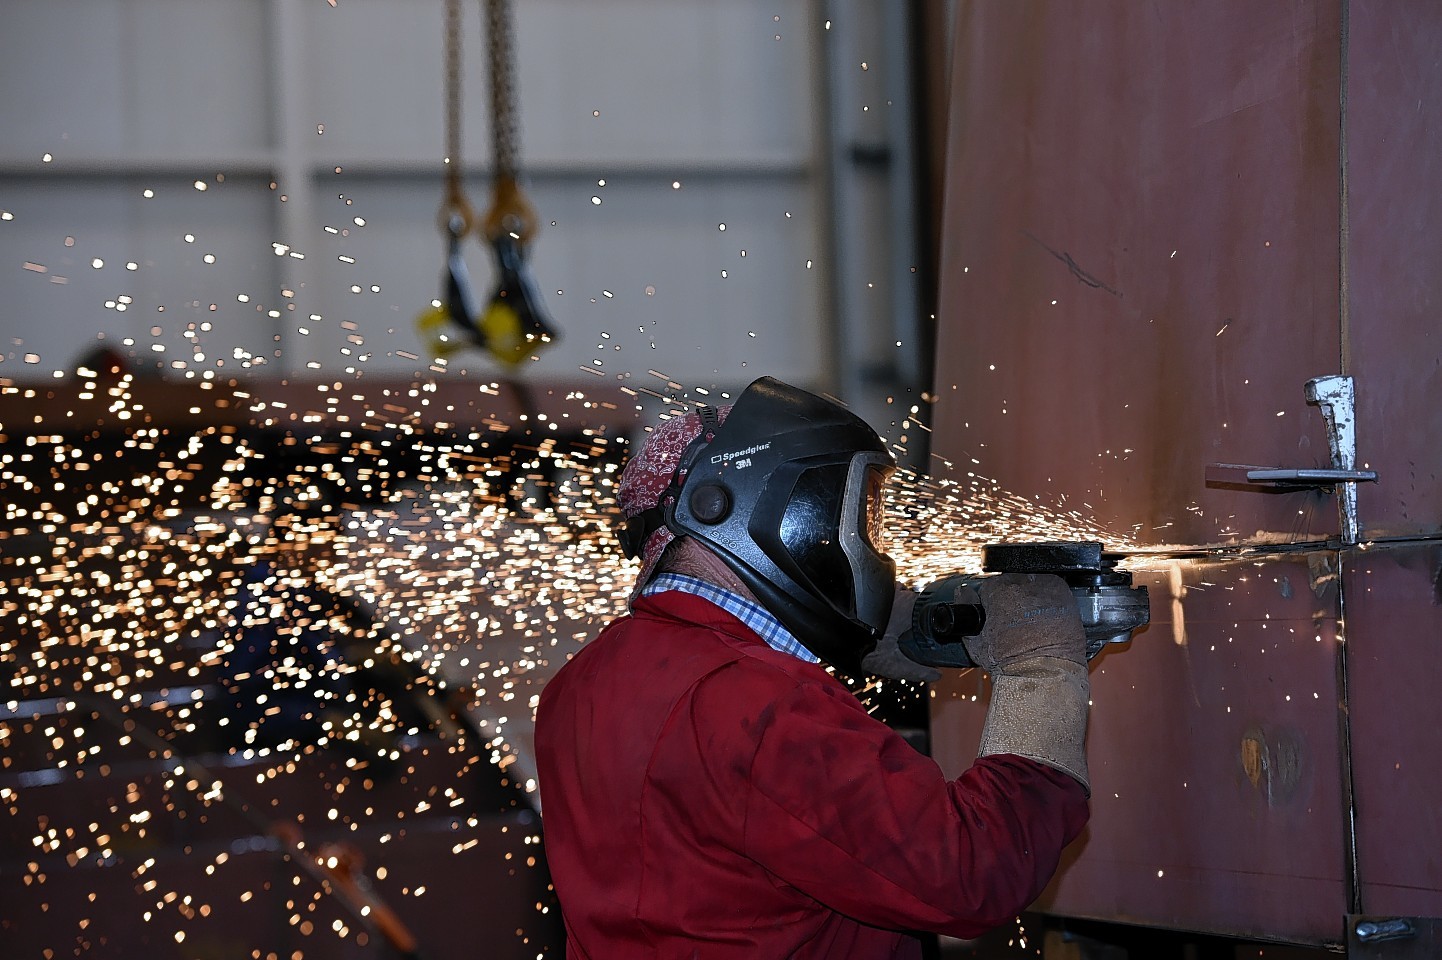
{"points": [[787, 491]]}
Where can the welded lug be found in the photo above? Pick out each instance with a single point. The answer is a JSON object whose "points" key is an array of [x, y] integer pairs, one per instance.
{"points": [[1336, 397], [1375, 931], [1393, 938]]}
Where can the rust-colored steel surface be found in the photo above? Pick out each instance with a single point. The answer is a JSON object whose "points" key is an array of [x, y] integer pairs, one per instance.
{"points": [[1393, 249], [1140, 257], [1161, 221], [1216, 801], [1393, 346], [1394, 656]]}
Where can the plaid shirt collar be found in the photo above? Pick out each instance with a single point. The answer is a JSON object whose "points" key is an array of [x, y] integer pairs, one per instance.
{"points": [[753, 615]]}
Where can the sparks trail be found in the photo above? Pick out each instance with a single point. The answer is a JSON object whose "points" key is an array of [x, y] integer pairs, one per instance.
{"points": [[280, 593], [939, 525], [302, 602]]}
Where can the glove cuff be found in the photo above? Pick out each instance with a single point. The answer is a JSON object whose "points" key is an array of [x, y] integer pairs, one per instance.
{"points": [[1039, 711]]}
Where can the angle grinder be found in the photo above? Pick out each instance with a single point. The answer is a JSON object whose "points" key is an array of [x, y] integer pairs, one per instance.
{"points": [[950, 610]]}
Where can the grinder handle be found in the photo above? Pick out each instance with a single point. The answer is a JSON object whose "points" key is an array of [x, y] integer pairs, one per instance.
{"points": [[951, 622], [945, 613]]}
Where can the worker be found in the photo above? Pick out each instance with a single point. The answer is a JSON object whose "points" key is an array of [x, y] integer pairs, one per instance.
{"points": [[709, 789]]}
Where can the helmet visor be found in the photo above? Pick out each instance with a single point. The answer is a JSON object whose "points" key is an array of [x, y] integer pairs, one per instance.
{"points": [[811, 532], [873, 505], [864, 541], [833, 526]]}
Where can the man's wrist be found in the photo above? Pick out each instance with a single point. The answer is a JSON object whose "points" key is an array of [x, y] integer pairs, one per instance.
{"points": [[1039, 711]]}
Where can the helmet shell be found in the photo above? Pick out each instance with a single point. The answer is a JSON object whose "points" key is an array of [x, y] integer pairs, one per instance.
{"points": [[788, 495]]}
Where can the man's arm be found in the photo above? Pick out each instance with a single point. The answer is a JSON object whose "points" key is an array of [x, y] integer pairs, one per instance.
{"points": [[841, 807]]}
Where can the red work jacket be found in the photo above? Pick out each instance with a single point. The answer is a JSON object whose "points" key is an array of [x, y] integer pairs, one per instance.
{"points": [[706, 796]]}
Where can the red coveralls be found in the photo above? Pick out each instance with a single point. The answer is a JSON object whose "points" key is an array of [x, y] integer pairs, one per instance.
{"points": [[706, 796]]}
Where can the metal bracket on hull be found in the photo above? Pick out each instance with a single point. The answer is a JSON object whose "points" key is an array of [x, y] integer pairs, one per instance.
{"points": [[1336, 397], [1393, 938]]}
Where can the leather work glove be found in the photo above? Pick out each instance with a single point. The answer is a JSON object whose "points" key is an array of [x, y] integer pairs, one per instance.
{"points": [[1034, 646], [887, 660]]}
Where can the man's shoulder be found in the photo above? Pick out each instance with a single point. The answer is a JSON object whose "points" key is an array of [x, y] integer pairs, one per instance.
{"points": [[646, 652], [675, 640], [701, 625]]}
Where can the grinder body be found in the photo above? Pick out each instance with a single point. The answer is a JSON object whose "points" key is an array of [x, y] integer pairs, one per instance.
{"points": [[950, 610]]}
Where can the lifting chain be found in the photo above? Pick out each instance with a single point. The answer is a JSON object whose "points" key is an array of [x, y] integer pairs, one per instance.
{"points": [[510, 213], [456, 216], [513, 324], [502, 48]]}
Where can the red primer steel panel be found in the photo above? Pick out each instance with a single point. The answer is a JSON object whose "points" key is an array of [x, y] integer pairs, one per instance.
{"points": [[1140, 270], [1393, 249], [1394, 657], [1139, 265], [1216, 798], [1393, 246]]}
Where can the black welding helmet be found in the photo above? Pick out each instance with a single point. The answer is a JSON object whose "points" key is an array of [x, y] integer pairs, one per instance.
{"points": [[789, 495]]}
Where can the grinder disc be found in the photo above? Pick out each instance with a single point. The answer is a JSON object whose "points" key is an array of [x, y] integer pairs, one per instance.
{"points": [[1060, 557]]}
